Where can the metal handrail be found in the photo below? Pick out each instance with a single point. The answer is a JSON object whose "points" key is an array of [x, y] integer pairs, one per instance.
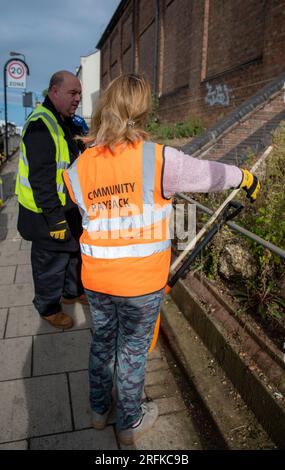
{"points": [[270, 246]]}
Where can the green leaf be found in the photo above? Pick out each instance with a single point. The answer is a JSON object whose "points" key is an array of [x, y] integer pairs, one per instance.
{"points": [[280, 301]]}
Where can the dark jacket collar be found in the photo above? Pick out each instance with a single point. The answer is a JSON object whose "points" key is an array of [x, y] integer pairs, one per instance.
{"points": [[50, 106], [67, 127]]}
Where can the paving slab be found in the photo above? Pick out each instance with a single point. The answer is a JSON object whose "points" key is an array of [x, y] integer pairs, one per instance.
{"points": [[3, 228], [12, 259], [25, 245], [88, 439], [34, 407], [9, 207], [3, 319], [13, 234], [25, 321], [16, 445], [9, 246], [80, 314], [10, 202], [61, 352], [12, 218], [24, 274], [7, 274], [15, 358], [79, 389], [16, 294]]}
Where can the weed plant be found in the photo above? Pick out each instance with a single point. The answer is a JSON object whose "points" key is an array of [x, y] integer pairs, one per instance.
{"points": [[265, 218]]}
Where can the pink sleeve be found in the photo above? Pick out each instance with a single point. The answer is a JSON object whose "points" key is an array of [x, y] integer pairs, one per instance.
{"points": [[183, 173]]}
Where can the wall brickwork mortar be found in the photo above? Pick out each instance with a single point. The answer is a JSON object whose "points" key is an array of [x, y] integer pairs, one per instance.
{"points": [[235, 46]]}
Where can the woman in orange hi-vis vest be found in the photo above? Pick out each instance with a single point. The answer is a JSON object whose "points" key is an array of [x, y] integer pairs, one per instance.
{"points": [[123, 186]]}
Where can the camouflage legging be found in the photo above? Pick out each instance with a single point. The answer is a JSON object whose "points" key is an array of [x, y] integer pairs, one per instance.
{"points": [[122, 333]]}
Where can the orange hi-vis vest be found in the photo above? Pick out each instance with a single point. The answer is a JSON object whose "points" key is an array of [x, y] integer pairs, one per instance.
{"points": [[125, 244]]}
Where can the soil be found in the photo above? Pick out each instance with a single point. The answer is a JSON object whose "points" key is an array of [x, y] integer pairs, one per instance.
{"points": [[273, 328], [177, 143]]}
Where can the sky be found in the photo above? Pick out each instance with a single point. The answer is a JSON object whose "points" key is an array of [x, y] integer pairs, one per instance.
{"points": [[52, 35]]}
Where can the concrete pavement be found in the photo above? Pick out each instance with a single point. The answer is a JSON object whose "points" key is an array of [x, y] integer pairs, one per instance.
{"points": [[43, 371]]}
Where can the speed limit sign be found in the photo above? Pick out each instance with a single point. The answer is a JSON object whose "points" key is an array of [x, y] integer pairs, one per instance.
{"points": [[16, 74]]}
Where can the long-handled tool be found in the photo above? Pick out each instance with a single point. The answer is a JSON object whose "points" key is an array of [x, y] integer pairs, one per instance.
{"points": [[231, 196], [223, 209], [231, 210]]}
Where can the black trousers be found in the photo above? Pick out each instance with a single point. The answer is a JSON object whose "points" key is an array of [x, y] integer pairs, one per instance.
{"points": [[55, 274]]}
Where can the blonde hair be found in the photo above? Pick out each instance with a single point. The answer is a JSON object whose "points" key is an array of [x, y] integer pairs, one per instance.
{"points": [[122, 111]]}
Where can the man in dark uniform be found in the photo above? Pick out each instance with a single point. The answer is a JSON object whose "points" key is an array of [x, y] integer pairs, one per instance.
{"points": [[47, 216]]}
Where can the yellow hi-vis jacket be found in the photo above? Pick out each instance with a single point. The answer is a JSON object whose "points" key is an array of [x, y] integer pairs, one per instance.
{"points": [[23, 188], [125, 244]]}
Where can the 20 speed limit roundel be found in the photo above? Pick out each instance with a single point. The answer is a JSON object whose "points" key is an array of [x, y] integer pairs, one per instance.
{"points": [[16, 74], [16, 70]]}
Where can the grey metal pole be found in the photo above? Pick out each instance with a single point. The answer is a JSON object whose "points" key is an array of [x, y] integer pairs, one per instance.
{"points": [[270, 246], [6, 112]]}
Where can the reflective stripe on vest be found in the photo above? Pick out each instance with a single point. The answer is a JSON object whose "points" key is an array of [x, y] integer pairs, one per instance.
{"points": [[50, 121], [150, 213], [148, 217], [23, 188], [148, 172], [72, 173], [128, 251], [46, 116], [23, 158], [25, 182], [116, 263], [59, 165]]}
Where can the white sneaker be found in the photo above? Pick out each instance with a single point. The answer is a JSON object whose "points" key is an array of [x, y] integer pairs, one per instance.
{"points": [[149, 416]]}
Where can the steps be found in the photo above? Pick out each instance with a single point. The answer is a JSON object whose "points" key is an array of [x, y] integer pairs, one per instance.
{"points": [[228, 349], [232, 419], [248, 127]]}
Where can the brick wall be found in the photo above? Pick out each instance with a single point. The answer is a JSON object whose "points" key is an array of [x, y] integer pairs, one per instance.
{"points": [[127, 44], [202, 57], [235, 33], [146, 39], [176, 53]]}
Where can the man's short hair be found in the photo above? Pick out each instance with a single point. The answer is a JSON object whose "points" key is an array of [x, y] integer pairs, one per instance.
{"points": [[58, 78]]}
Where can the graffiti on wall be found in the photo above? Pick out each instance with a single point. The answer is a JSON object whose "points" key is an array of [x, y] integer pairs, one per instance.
{"points": [[220, 94]]}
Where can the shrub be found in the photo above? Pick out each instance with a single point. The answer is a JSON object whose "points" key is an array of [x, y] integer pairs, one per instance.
{"points": [[190, 128], [266, 218]]}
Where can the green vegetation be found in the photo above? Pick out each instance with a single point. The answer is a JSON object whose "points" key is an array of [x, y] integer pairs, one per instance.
{"points": [[160, 131], [266, 218], [268, 222], [165, 132]]}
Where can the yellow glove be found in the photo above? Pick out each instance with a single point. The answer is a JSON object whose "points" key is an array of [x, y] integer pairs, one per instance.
{"points": [[250, 184], [60, 231]]}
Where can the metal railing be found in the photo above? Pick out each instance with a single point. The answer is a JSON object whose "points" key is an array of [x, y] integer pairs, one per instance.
{"points": [[270, 246]]}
